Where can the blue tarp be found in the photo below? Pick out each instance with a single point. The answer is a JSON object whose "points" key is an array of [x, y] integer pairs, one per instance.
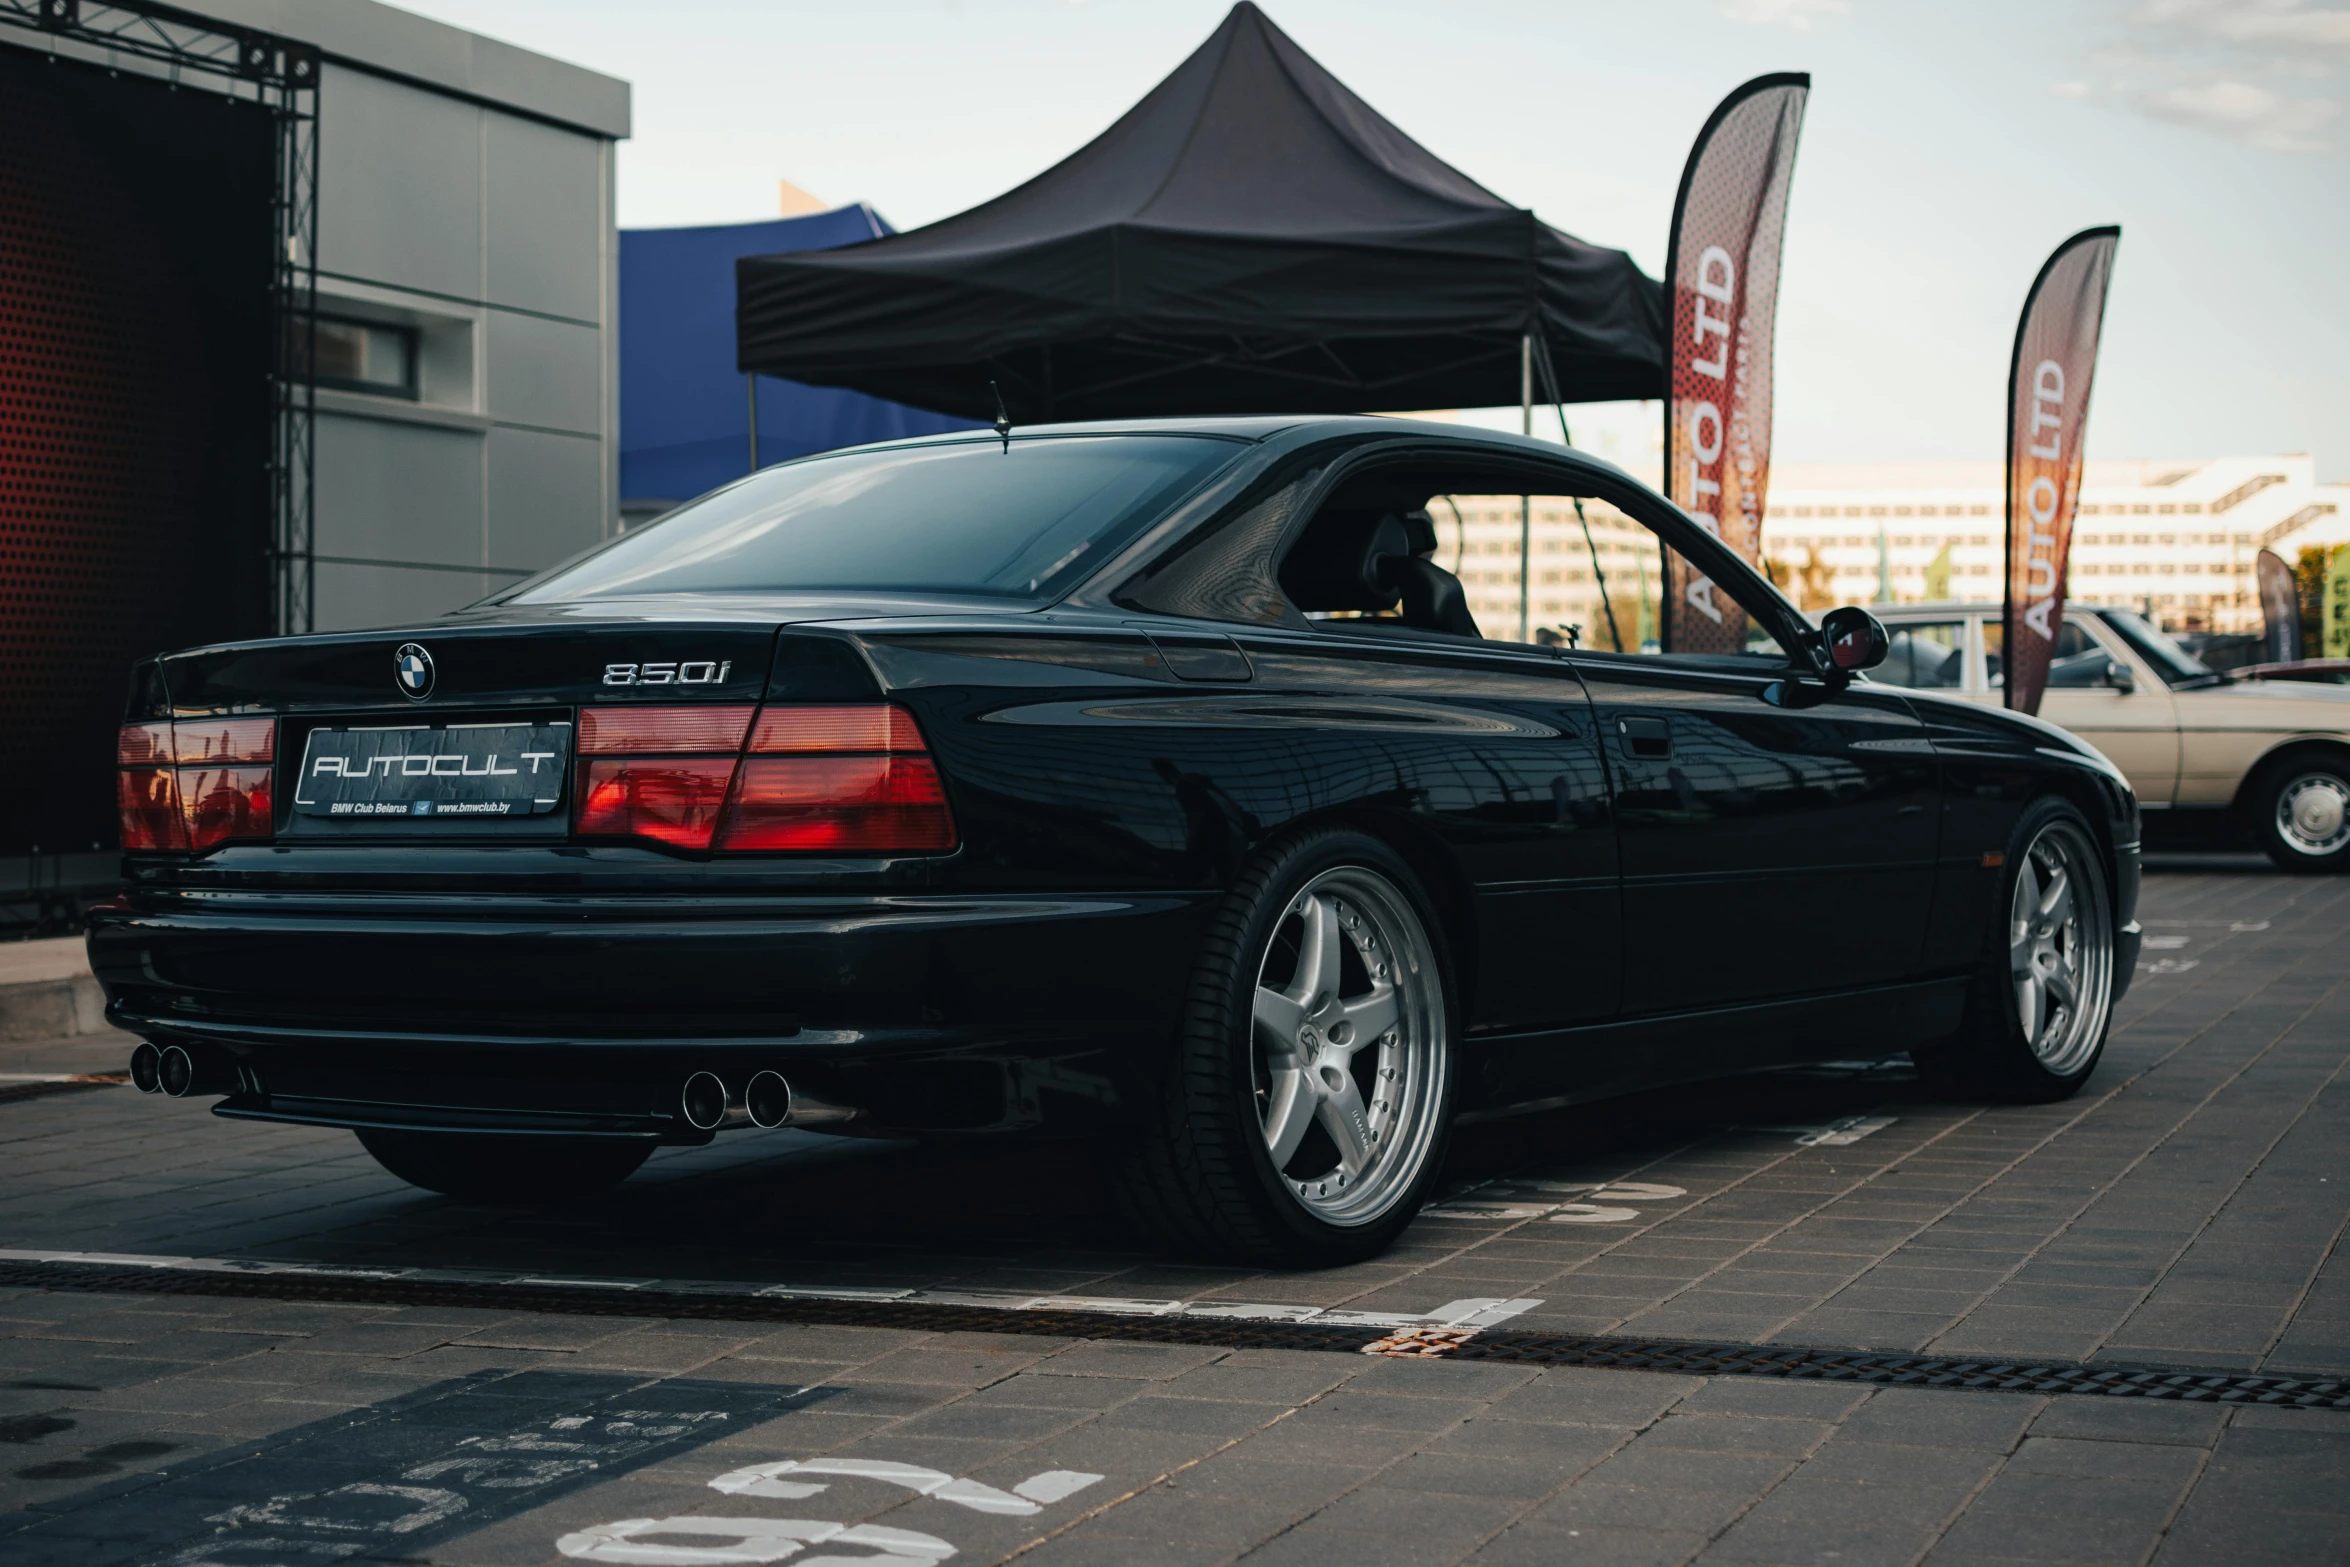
{"points": [[684, 415]]}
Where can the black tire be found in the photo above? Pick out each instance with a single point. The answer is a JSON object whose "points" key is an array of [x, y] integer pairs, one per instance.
{"points": [[1991, 1057], [498, 1167], [2292, 804], [1200, 1173]]}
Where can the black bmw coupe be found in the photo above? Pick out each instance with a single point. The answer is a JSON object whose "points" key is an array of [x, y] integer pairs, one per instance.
{"points": [[1149, 783]]}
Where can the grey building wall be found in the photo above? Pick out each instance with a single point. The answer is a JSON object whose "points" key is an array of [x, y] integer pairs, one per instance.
{"points": [[465, 191]]}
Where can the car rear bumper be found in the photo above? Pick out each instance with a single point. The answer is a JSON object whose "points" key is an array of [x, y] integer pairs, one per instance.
{"points": [[921, 1012]]}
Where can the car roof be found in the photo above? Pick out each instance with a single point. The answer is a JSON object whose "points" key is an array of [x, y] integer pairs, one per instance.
{"points": [[1267, 427]]}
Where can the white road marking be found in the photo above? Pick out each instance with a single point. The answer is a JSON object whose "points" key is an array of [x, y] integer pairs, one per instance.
{"points": [[1055, 1485], [1836, 1134], [1487, 1311], [1538, 1200], [754, 1540], [748, 1542], [767, 1480]]}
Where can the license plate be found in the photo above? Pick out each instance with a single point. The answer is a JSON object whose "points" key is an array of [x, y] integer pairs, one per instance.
{"points": [[458, 770]]}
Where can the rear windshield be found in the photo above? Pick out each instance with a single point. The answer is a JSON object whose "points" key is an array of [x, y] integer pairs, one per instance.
{"points": [[960, 518]]}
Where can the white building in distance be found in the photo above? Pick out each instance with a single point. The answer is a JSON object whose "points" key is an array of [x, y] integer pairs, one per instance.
{"points": [[2174, 538]]}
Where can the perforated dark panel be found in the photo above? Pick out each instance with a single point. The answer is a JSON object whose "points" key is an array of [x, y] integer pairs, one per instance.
{"points": [[135, 273]]}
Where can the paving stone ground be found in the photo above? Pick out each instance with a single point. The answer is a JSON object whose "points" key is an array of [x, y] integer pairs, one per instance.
{"points": [[2186, 1209]]}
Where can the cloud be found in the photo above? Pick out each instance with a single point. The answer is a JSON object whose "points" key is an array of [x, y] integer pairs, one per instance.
{"points": [[2292, 23], [1797, 14], [2262, 72], [2246, 113]]}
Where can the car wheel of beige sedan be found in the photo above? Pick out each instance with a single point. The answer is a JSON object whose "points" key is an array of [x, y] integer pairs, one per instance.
{"points": [[2301, 813]]}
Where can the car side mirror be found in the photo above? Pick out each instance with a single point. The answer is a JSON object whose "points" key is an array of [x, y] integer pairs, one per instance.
{"points": [[2119, 677], [1852, 640]]}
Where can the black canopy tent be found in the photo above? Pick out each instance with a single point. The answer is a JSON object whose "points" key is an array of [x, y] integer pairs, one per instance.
{"points": [[1249, 238]]}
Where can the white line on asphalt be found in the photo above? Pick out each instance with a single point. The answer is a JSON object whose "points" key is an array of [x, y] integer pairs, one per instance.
{"points": [[1478, 1312]]}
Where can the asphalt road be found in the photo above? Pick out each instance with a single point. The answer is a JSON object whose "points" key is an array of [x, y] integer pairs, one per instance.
{"points": [[2185, 1211]]}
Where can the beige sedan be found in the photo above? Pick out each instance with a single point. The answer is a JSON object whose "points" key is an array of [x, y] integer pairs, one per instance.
{"points": [[2275, 754]]}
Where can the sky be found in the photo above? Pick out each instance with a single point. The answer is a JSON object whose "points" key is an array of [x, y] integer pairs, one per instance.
{"points": [[1947, 149]]}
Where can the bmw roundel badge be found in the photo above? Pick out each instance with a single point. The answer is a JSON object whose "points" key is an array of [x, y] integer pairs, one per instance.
{"points": [[412, 671]]}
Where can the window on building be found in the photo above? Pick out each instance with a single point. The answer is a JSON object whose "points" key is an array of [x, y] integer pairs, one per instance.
{"points": [[1978, 511], [365, 356]]}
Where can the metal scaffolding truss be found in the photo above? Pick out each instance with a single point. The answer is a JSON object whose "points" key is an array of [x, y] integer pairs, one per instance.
{"points": [[281, 76]]}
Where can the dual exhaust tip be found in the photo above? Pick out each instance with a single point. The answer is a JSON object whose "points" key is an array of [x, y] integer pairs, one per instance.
{"points": [[169, 1070], [767, 1101]]}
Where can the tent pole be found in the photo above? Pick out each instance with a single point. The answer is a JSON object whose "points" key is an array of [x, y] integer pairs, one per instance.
{"points": [[751, 383], [1525, 502]]}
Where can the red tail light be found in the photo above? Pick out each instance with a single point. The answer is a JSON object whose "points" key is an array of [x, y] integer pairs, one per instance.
{"points": [[224, 803], [674, 801], [836, 780], [661, 731], [148, 799], [181, 785], [840, 804], [837, 729]]}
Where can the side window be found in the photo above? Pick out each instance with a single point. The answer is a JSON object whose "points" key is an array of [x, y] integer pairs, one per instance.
{"points": [[2079, 659], [1926, 657], [1403, 551]]}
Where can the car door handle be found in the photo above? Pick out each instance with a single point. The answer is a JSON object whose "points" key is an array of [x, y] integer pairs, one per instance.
{"points": [[1646, 739]]}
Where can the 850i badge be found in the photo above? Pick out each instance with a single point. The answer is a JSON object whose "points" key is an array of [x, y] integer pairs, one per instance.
{"points": [[455, 770]]}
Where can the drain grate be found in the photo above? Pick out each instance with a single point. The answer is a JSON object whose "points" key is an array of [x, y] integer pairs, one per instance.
{"points": [[1939, 1371], [1519, 1346]]}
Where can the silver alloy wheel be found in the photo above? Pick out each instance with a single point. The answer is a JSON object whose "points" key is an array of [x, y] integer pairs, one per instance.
{"points": [[2313, 813], [1348, 1046], [2060, 943]]}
